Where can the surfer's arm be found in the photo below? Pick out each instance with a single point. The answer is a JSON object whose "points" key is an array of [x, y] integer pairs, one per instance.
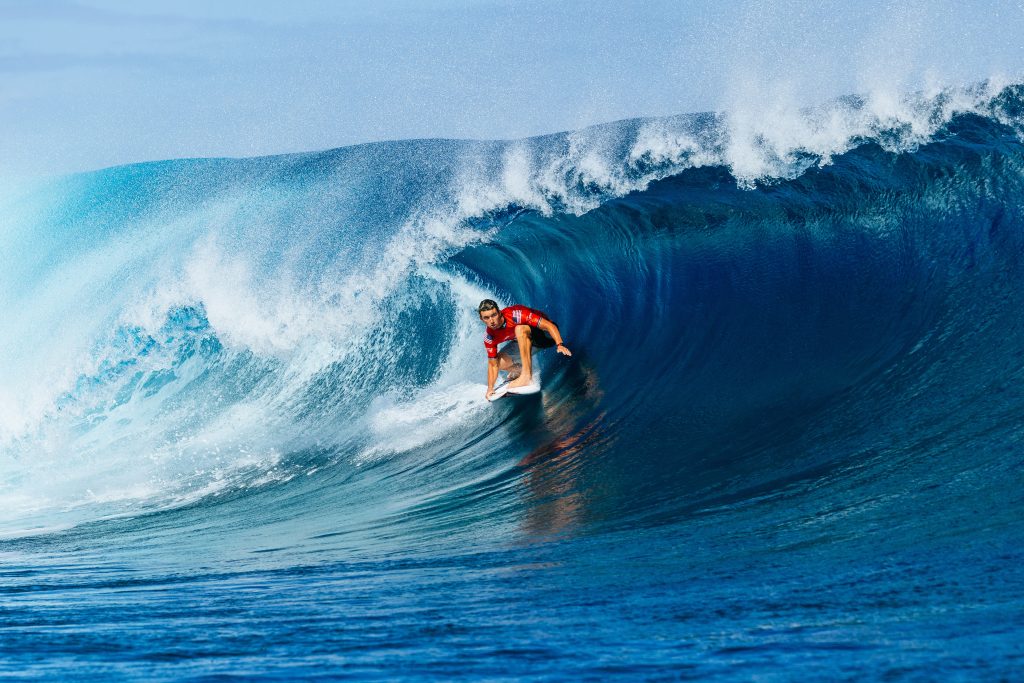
{"points": [[552, 330], [492, 375]]}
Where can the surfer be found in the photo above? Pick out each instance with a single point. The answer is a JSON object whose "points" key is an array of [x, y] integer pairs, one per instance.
{"points": [[519, 323]]}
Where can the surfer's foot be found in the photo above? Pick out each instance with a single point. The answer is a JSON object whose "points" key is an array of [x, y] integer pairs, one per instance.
{"points": [[520, 381]]}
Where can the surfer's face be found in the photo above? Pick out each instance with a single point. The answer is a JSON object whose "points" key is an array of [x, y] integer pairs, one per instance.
{"points": [[492, 318]]}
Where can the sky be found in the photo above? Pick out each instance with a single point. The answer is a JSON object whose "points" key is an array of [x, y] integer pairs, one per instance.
{"points": [[86, 84]]}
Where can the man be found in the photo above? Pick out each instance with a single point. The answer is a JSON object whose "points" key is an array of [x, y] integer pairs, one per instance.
{"points": [[528, 327]]}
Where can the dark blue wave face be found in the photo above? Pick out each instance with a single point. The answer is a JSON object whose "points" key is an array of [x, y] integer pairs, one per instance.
{"points": [[787, 441], [745, 342]]}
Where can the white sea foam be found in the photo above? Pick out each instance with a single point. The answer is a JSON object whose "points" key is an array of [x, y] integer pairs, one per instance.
{"points": [[121, 447], [398, 427], [765, 135]]}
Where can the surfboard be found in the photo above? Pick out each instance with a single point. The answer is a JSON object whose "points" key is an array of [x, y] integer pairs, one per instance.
{"points": [[504, 390]]}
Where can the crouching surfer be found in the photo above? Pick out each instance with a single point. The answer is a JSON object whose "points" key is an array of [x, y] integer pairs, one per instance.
{"points": [[531, 329]]}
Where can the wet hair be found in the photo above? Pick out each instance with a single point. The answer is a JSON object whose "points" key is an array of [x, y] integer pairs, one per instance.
{"points": [[487, 305]]}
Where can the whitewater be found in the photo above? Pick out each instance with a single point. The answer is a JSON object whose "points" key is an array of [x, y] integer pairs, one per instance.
{"points": [[243, 428]]}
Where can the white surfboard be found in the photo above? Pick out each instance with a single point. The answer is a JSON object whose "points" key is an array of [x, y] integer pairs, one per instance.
{"points": [[504, 390]]}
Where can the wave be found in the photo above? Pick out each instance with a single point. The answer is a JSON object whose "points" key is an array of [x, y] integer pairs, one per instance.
{"points": [[759, 305]]}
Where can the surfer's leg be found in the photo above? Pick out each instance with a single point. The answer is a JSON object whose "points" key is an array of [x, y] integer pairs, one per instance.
{"points": [[523, 336], [507, 363]]}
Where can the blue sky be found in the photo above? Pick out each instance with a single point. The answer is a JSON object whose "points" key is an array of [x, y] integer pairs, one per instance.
{"points": [[91, 83]]}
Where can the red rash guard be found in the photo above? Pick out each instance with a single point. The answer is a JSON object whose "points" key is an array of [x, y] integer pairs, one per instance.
{"points": [[514, 315]]}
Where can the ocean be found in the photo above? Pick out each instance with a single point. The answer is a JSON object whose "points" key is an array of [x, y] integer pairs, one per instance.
{"points": [[243, 431]]}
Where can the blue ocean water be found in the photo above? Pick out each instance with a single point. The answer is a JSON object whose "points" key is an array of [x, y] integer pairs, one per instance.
{"points": [[243, 432]]}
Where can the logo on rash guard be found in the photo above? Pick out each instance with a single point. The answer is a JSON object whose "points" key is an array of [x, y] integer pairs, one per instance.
{"points": [[517, 316]]}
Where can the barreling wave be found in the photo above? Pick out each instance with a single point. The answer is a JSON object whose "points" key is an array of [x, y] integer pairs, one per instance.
{"points": [[760, 307]]}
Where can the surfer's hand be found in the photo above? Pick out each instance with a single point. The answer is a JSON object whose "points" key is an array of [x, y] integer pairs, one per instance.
{"points": [[487, 395], [564, 350]]}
